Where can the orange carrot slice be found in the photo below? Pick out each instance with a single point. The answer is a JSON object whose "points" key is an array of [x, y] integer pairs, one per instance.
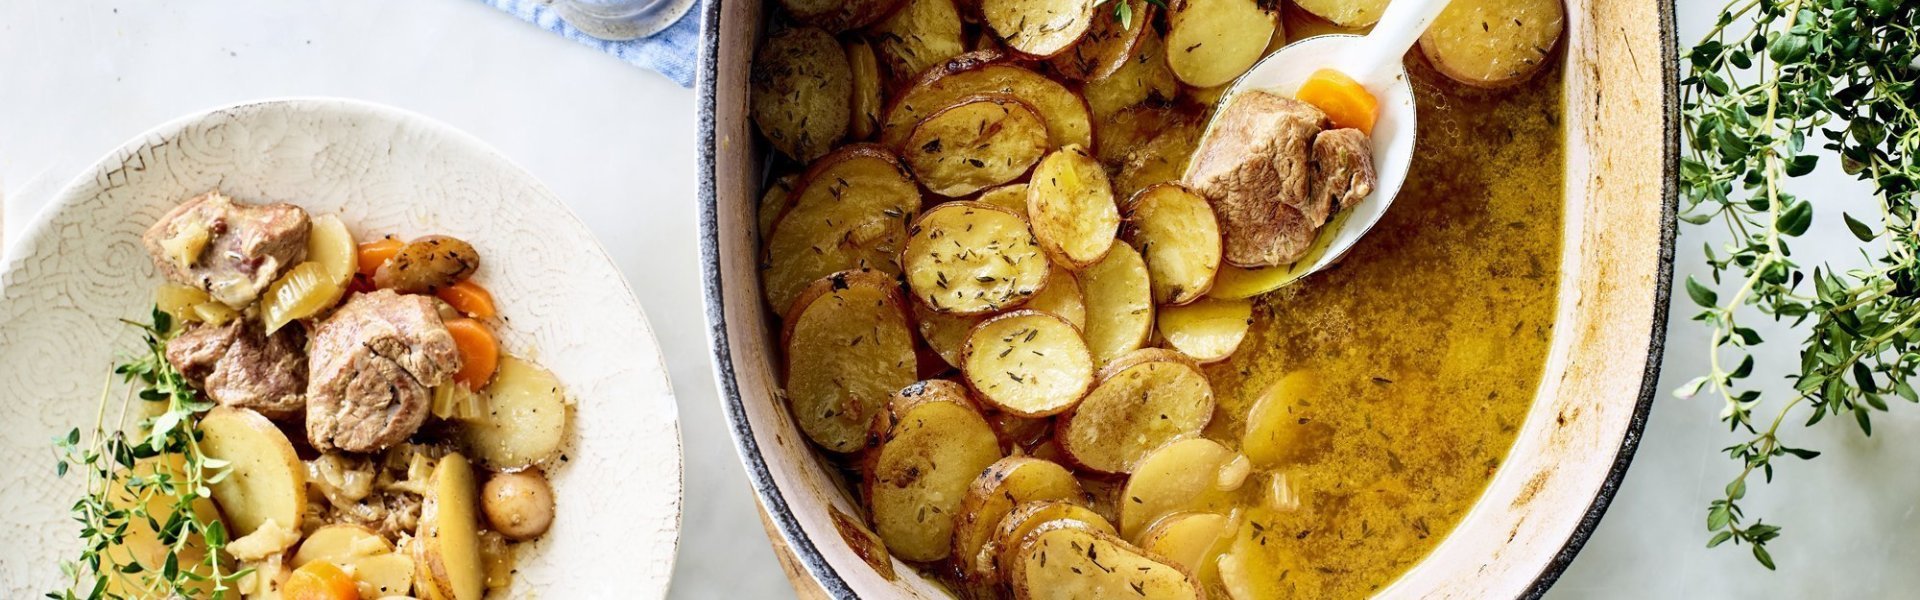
{"points": [[375, 253], [1346, 102], [469, 298], [319, 580], [479, 352]]}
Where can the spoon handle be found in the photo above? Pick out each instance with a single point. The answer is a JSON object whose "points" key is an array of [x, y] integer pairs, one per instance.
{"points": [[1399, 28]]}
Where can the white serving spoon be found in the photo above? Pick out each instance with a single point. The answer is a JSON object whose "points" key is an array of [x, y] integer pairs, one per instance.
{"points": [[1373, 60]]}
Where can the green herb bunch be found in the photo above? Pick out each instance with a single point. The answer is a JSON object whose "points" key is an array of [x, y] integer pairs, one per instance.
{"points": [[1769, 77], [118, 496]]}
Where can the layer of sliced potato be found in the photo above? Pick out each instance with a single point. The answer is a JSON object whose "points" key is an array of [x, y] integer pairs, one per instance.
{"points": [[1180, 476], [1346, 13], [1028, 516], [1119, 304], [848, 349], [377, 569], [525, 420], [1011, 481], [1038, 28], [850, 211], [1190, 540], [1143, 400], [1282, 429], [178, 300], [1012, 196], [773, 203], [801, 94], [1211, 43], [1028, 363], [1071, 562], [921, 34], [266, 481], [1062, 297], [969, 258], [933, 445], [981, 142], [450, 532], [1109, 43], [1072, 207], [945, 334], [140, 544], [988, 72], [1177, 234], [1208, 330], [863, 114], [1494, 43], [839, 15], [1142, 77], [1163, 157]]}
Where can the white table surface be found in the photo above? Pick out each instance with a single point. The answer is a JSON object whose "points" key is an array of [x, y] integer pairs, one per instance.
{"points": [[77, 78]]}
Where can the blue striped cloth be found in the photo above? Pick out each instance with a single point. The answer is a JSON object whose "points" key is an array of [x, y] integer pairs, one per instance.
{"points": [[671, 52]]}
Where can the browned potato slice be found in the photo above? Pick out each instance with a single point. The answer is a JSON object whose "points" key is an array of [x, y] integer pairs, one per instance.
{"points": [[921, 34], [1282, 427], [1109, 43], [1062, 298], [1176, 233], [1028, 363], [1142, 77], [1071, 204], [850, 211], [1012, 196], [449, 534], [1119, 304], [1038, 28], [945, 334], [1181, 476], [1301, 24], [1493, 43], [1142, 400], [1211, 43], [1163, 158], [1028, 516], [863, 113], [1071, 562], [1190, 540], [968, 258], [986, 72], [933, 444], [848, 349], [1209, 329], [983, 141], [802, 92], [839, 15], [1011, 481], [1347, 13], [774, 202]]}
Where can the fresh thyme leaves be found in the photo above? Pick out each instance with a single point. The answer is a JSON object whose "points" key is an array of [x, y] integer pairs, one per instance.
{"points": [[1845, 71], [146, 524]]}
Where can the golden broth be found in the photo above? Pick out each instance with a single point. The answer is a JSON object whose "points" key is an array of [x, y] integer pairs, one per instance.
{"points": [[1426, 344]]}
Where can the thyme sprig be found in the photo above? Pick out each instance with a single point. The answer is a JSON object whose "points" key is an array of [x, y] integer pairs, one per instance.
{"points": [[1843, 71], [131, 472]]}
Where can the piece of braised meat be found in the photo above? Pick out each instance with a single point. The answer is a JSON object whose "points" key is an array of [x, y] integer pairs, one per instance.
{"points": [[1342, 170], [1254, 169], [237, 364], [231, 250], [374, 363]]}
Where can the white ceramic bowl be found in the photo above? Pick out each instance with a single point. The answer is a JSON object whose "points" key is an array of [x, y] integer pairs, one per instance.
{"points": [[80, 267], [1622, 151]]}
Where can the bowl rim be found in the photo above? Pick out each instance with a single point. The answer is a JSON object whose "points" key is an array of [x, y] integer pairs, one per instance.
{"points": [[808, 553], [59, 200]]}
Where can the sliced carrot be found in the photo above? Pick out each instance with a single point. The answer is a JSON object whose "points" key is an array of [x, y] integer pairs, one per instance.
{"points": [[1346, 102], [468, 298], [479, 352], [375, 253], [319, 580]]}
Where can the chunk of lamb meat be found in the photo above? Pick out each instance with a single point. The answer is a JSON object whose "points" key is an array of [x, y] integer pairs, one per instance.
{"points": [[237, 364], [1342, 169], [1254, 169], [231, 250], [375, 361]]}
